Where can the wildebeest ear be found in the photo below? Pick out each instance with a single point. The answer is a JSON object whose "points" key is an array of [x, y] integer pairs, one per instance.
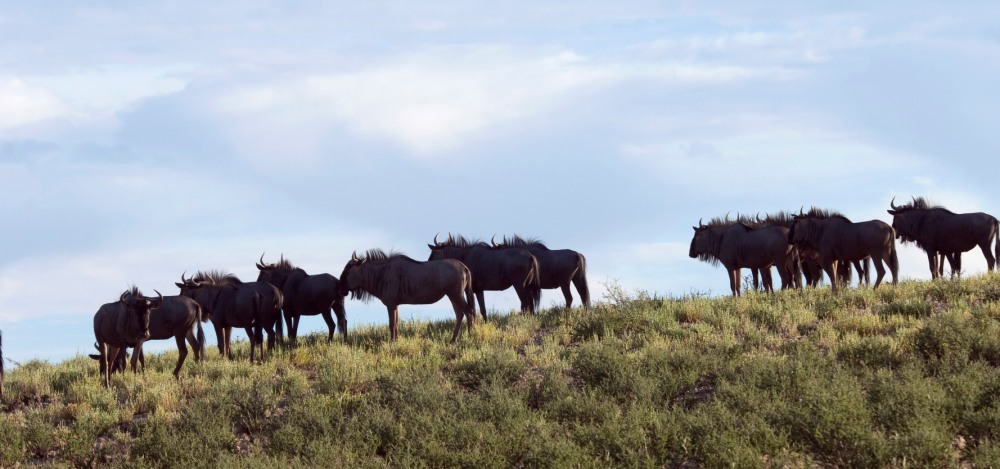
{"points": [[431, 246], [892, 212], [179, 285]]}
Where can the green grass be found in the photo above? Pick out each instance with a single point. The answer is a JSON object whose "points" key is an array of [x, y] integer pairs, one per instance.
{"points": [[897, 377]]}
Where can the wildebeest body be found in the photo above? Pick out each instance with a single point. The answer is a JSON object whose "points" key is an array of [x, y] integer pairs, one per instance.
{"points": [[121, 324], [305, 295], [493, 270], [396, 279], [941, 232], [837, 240], [557, 268]]}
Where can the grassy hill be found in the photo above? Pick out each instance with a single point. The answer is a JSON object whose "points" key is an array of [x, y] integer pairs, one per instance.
{"points": [[903, 376]]}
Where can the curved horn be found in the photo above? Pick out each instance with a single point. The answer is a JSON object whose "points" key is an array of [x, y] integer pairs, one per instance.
{"points": [[436, 243], [354, 256], [122, 298], [800, 210], [262, 257], [182, 277], [758, 217], [727, 216], [700, 225], [893, 204], [159, 301], [493, 240]]}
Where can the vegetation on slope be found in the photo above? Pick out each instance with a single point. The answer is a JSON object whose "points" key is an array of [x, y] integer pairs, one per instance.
{"points": [[890, 377]]}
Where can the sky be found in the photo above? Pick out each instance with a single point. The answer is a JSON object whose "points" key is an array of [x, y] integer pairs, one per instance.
{"points": [[140, 140]]}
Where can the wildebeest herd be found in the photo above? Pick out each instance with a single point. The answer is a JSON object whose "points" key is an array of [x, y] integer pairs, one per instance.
{"points": [[811, 243], [807, 244], [457, 267]]}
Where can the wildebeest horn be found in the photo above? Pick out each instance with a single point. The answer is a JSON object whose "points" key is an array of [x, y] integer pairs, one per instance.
{"points": [[436, 243], [800, 210], [159, 301], [354, 256], [893, 204], [493, 240], [700, 225], [122, 298], [758, 217], [261, 265]]}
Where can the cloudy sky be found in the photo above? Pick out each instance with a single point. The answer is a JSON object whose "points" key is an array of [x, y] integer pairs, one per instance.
{"points": [[140, 140]]}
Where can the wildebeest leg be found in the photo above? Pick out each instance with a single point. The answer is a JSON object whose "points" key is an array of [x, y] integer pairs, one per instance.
{"points": [[255, 343], [395, 331], [879, 270], [272, 336], [956, 266], [527, 305], [227, 333], [932, 260], [182, 352], [734, 280], [135, 357], [194, 344], [330, 326], [292, 323], [462, 308], [567, 295], [756, 283], [481, 298], [767, 280], [220, 338], [991, 261], [391, 309], [108, 353], [832, 271]]}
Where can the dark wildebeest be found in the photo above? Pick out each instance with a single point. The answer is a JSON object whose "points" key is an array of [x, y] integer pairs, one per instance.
{"points": [[305, 295], [805, 261], [941, 232], [838, 240], [178, 317], [124, 323], [229, 303], [736, 245], [557, 268], [493, 269], [396, 279]]}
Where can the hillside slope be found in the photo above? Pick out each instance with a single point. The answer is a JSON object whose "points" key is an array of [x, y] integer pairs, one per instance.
{"points": [[890, 377]]}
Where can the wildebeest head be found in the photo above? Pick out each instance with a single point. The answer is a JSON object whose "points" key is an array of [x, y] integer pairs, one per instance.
{"points": [[139, 307], [350, 278], [908, 218], [699, 243], [275, 274]]}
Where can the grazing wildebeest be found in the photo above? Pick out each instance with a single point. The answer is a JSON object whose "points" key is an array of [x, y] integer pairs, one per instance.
{"points": [[396, 279], [124, 323], [736, 245], [838, 240], [557, 268], [178, 317], [941, 232], [229, 303], [493, 269], [305, 295]]}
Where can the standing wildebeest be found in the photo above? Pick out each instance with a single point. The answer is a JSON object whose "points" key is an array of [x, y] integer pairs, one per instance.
{"points": [[736, 245], [941, 232], [229, 303], [837, 240], [121, 324], [396, 279], [493, 269], [556, 268], [305, 295], [805, 261], [177, 317]]}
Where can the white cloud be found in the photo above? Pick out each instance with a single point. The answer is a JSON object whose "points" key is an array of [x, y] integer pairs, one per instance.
{"points": [[22, 103]]}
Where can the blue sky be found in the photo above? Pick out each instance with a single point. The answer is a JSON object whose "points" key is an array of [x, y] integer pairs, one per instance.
{"points": [[138, 141]]}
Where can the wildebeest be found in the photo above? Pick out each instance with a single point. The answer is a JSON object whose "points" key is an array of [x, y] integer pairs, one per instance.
{"points": [[305, 295], [178, 317], [939, 231], [396, 279], [736, 245], [493, 269], [837, 239], [229, 303], [124, 323], [557, 268]]}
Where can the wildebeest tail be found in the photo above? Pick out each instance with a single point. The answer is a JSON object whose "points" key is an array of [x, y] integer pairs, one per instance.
{"points": [[996, 247], [893, 259], [534, 284], [469, 297], [201, 332], [580, 280]]}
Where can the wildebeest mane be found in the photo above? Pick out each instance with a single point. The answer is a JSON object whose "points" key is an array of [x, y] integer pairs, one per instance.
{"points": [[824, 214], [781, 218], [217, 277], [133, 291], [459, 241], [519, 241], [921, 203]]}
